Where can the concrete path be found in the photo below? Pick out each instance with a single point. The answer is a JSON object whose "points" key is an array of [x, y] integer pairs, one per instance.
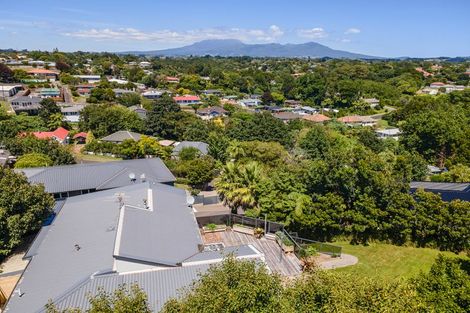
{"points": [[343, 261], [13, 264]]}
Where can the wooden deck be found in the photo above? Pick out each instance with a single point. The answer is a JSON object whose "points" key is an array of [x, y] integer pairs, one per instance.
{"points": [[276, 259]]}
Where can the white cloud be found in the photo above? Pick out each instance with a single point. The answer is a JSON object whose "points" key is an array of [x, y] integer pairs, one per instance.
{"points": [[313, 33], [169, 36], [352, 31], [345, 40]]}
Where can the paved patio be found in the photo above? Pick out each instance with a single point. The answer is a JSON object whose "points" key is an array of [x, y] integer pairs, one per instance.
{"points": [[276, 259]]}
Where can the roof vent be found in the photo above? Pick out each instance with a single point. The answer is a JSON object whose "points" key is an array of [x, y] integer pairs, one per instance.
{"points": [[142, 178], [77, 247], [190, 200], [20, 294], [132, 177]]}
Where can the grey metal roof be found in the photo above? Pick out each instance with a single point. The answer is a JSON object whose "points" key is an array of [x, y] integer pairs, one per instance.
{"points": [[171, 232], [33, 249], [160, 286], [201, 146], [74, 108], [459, 187], [122, 135], [97, 176], [81, 241], [27, 99], [89, 221]]}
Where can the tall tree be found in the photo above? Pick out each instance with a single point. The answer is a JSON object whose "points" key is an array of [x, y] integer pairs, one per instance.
{"points": [[23, 207], [48, 108]]}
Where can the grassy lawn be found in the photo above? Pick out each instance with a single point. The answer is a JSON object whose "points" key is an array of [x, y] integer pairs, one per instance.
{"points": [[94, 158], [5, 105], [386, 261], [382, 124]]}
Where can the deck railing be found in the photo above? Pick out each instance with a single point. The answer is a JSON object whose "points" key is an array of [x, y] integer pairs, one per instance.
{"points": [[269, 227], [322, 247]]}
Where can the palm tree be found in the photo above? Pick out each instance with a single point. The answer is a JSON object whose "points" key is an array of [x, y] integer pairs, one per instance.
{"points": [[235, 150], [237, 185]]}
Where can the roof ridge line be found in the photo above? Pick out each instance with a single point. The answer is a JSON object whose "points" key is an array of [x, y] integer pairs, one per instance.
{"points": [[113, 176]]}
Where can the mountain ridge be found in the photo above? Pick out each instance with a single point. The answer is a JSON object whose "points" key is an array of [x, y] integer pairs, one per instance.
{"points": [[234, 48]]}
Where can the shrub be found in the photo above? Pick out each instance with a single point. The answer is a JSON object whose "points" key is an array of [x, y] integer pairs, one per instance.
{"points": [[211, 226]]}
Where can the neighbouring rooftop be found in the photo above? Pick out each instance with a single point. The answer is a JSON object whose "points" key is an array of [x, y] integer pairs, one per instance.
{"points": [[98, 176]]}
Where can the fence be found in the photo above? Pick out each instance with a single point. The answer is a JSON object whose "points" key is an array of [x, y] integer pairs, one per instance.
{"points": [[268, 226]]}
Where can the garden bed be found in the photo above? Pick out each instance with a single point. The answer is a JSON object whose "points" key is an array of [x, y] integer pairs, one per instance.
{"points": [[213, 228]]}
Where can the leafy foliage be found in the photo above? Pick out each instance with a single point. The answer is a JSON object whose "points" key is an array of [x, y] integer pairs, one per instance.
{"points": [[103, 119], [122, 300], [23, 207], [33, 160]]}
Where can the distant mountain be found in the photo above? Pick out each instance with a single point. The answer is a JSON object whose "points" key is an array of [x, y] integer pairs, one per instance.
{"points": [[232, 48]]}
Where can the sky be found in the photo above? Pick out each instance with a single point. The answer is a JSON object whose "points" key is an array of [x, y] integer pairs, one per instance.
{"points": [[386, 28]]}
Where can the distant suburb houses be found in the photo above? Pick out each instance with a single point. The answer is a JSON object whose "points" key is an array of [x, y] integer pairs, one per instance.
{"points": [[438, 87]]}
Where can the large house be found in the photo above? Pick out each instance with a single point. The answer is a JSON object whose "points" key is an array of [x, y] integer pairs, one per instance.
{"points": [[152, 94], [120, 136], [173, 80], [29, 104], [287, 116], [9, 90], [214, 92], [60, 134], [372, 102], [357, 120], [119, 92], [316, 118], [90, 79], [187, 100], [250, 102], [144, 234], [389, 133], [85, 89], [141, 112], [6, 159], [42, 73], [201, 146], [72, 113], [49, 93], [72, 180], [448, 191], [211, 112]]}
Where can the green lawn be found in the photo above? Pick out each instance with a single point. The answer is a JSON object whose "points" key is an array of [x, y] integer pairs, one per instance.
{"points": [[5, 105], [386, 261], [94, 158]]}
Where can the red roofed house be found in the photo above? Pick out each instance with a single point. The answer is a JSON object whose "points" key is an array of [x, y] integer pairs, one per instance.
{"points": [[437, 85], [80, 137], [316, 118], [60, 134], [43, 74], [424, 72], [85, 89], [171, 79], [187, 100]]}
